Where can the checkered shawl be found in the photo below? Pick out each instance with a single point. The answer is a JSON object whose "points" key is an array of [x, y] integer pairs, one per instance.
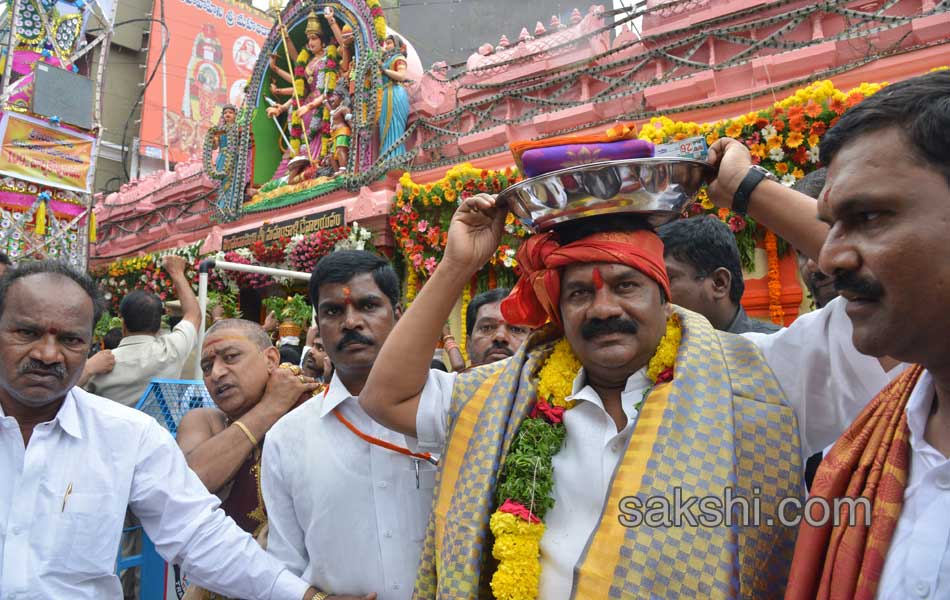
{"points": [[721, 423]]}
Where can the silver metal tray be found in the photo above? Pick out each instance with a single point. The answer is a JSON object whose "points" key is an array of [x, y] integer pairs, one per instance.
{"points": [[659, 188]]}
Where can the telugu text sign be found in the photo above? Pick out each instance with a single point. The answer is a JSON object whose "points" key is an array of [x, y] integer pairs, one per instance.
{"points": [[34, 150], [271, 232]]}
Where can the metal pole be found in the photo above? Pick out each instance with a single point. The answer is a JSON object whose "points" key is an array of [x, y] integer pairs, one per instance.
{"points": [[11, 45], [203, 305], [205, 267], [164, 91]]}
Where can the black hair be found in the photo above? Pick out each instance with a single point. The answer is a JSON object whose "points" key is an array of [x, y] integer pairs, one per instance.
{"points": [[343, 265], [110, 341], [707, 244], [54, 267], [141, 312], [480, 300], [918, 107], [578, 229], [438, 365], [289, 354], [813, 183], [5, 260]]}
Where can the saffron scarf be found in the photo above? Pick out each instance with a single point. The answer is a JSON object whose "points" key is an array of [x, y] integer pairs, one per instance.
{"points": [[541, 258], [721, 423], [870, 460]]}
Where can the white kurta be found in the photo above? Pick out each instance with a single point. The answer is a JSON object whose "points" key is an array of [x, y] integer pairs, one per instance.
{"points": [[344, 514], [55, 544]]}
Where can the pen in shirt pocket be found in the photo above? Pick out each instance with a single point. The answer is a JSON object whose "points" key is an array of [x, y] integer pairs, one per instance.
{"points": [[69, 490]]}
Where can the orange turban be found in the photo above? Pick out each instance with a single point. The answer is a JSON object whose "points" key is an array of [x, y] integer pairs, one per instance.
{"points": [[535, 297]]}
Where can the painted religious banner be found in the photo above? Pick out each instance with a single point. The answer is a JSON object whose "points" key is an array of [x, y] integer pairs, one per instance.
{"points": [[213, 48], [37, 151]]}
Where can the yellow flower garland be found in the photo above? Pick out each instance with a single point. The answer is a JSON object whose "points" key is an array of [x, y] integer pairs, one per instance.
{"points": [[517, 544]]}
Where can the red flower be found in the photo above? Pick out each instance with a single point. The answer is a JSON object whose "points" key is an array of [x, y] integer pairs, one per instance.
{"points": [[376, 12], [837, 106], [818, 128], [855, 98], [519, 510], [778, 124], [665, 375], [551, 414], [801, 155]]}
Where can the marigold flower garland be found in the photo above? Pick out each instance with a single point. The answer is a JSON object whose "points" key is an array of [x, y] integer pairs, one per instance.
{"points": [[776, 312], [526, 490]]}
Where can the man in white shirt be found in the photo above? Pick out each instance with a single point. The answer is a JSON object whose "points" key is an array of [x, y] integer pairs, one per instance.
{"points": [[346, 508], [71, 463], [144, 354]]}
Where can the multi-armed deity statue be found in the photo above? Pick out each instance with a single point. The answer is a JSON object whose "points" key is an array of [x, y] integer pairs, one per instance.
{"points": [[339, 103]]}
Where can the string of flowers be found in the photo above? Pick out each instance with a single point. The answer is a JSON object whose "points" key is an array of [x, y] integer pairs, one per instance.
{"points": [[246, 280], [304, 251], [525, 493], [463, 336], [783, 138], [421, 215], [379, 19], [412, 281], [211, 138], [776, 312]]}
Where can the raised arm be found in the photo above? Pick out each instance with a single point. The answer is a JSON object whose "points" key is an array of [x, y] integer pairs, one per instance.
{"points": [[215, 450], [275, 68], [391, 394], [175, 267], [790, 214]]}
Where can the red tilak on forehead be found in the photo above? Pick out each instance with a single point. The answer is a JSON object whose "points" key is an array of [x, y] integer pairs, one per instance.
{"points": [[53, 331], [598, 279], [347, 299]]}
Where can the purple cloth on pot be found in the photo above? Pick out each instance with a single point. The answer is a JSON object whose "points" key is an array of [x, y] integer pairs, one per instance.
{"points": [[544, 160]]}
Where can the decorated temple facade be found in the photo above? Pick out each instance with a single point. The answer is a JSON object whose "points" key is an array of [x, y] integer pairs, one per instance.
{"points": [[774, 74]]}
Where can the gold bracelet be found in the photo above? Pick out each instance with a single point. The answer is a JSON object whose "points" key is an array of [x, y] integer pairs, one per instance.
{"points": [[320, 596], [247, 432]]}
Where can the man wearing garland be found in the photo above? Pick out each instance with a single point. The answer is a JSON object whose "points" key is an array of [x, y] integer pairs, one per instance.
{"points": [[620, 399]]}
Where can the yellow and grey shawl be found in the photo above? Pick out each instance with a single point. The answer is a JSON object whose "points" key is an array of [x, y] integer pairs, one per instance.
{"points": [[721, 423]]}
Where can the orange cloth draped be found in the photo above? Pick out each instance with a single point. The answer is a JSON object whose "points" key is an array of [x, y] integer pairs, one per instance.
{"points": [[535, 297], [870, 460]]}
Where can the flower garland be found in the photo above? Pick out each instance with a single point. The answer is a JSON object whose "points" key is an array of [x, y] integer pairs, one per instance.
{"points": [[421, 215], [379, 19], [300, 91], [463, 336], [525, 493], [304, 251], [776, 312], [246, 280], [783, 138], [412, 281]]}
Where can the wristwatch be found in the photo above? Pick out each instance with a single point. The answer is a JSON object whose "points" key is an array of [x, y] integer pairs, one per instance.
{"points": [[740, 200]]}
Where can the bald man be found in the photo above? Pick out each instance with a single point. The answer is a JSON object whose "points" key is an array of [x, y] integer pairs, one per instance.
{"points": [[223, 445]]}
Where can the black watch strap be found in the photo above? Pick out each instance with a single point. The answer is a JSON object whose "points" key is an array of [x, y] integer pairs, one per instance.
{"points": [[740, 200]]}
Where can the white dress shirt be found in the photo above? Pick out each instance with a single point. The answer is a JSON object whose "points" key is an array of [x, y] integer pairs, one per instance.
{"points": [[345, 514], [140, 358], [825, 379], [55, 544], [918, 560]]}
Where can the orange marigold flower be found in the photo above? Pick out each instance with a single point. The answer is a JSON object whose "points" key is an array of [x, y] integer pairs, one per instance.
{"points": [[798, 173], [734, 130], [778, 124], [711, 137], [795, 111], [794, 139], [855, 98], [801, 155], [796, 123], [761, 122], [758, 150], [818, 128], [837, 106], [813, 109], [781, 168], [723, 213], [813, 140], [774, 142]]}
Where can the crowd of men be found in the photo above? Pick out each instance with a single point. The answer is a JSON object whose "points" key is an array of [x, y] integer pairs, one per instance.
{"points": [[362, 468]]}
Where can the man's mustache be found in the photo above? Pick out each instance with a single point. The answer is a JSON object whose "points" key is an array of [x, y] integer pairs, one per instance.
{"points": [[850, 281], [596, 327], [55, 369], [353, 337], [502, 346]]}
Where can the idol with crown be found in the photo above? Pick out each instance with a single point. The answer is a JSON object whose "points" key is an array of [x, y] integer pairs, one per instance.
{"points": [[550, 458]]}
